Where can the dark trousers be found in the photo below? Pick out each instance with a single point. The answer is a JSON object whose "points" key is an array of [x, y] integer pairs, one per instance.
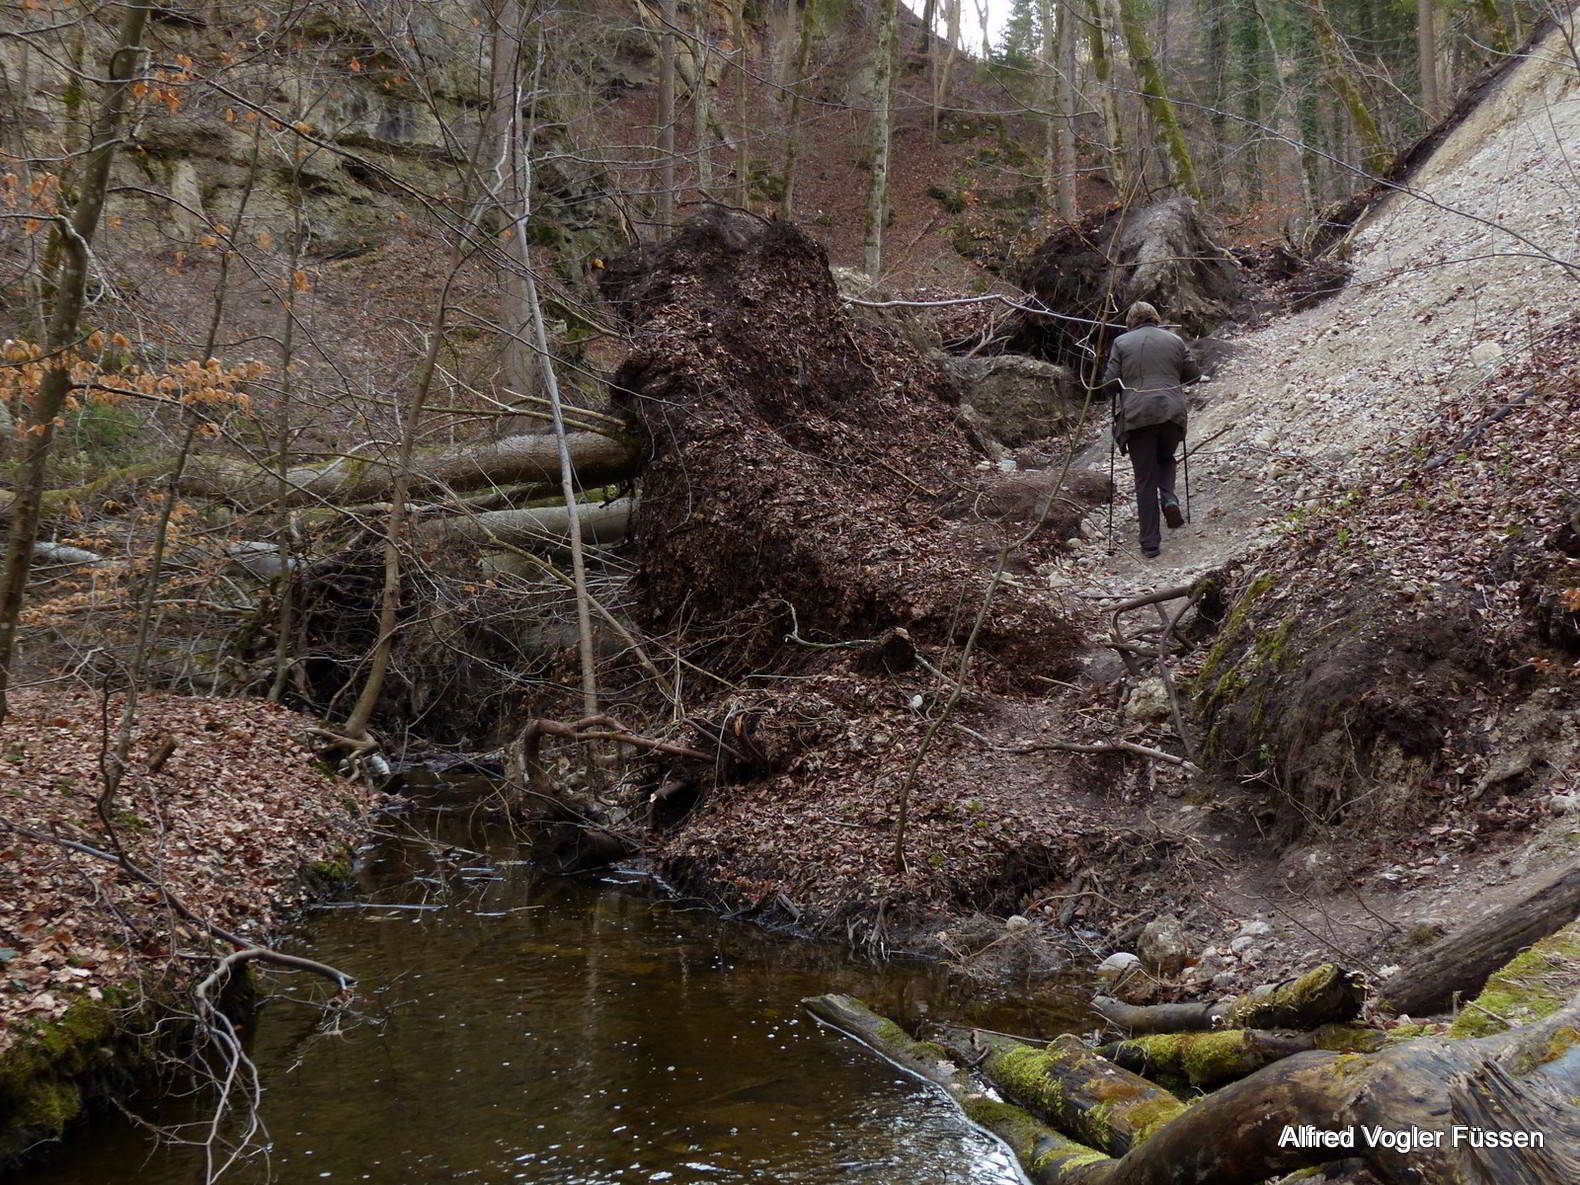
{"points": [[1152, 458]]}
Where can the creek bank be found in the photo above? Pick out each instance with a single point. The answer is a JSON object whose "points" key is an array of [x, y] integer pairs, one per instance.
{"points": [[222, 803]]}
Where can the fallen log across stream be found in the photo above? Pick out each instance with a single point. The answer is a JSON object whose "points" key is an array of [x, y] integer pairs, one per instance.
{"points": [[1324, 995], [1427, 1111]]}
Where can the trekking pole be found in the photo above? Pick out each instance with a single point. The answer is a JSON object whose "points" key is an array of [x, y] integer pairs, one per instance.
{"points": [[1110, 488], [1186, 461]]}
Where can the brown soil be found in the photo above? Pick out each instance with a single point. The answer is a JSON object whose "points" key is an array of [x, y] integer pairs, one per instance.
{"points": [[801, 462]]}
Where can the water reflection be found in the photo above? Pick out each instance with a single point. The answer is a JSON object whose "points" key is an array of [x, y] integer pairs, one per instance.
{"points": [[574, 1032]]}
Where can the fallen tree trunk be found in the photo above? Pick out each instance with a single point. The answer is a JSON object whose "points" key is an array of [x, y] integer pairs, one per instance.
{"points": [[1324, 995], [538, 527], [1047, 1157], [598, 460], [1081, 1093], [1204, 1061], [1410, 1112], [535, 458], [1462, 961]]}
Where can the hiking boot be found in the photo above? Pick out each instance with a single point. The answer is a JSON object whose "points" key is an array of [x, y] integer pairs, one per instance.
{"points": [[1151, 553], [1173, 515]]}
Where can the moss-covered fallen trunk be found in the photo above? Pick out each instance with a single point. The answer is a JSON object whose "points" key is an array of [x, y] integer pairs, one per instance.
{"points": [[1324, 995], [1413, 1112], [1046, 1156], [1462, 961], [1202, 1061], [1076, 1090], [1532, 986]]}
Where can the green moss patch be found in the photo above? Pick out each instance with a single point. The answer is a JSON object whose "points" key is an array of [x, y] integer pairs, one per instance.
{"points": [[1532, 986], [47, 1076]]}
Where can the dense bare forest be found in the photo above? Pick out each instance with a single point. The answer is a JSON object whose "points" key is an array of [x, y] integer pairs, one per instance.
{"points": [[675, 433]]}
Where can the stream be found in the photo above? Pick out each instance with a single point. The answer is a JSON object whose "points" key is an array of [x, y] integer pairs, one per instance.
{"points": [[513, 1026]]}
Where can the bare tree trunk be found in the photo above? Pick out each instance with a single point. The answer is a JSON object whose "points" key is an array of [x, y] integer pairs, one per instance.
{"points": [[557, 409], [66, 299], [806, 31], [743, 156], [1426, 53], [1048, 100], [882, 132], [505, 17], [1065, 95], [1342, 80], [666, 117], [946, 67], [1155, 94], [1099, 21], [285, 618], [1285, 116], [356, 726], [701, 106]]}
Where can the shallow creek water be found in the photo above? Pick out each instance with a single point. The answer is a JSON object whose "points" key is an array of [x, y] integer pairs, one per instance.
{"points": [[518, 1027]]}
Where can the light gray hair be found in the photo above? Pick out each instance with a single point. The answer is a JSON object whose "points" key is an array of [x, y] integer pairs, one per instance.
{"points": [[1141, 313]]}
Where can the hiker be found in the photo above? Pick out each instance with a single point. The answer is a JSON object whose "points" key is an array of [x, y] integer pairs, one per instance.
{"points": [[1148, 367]]}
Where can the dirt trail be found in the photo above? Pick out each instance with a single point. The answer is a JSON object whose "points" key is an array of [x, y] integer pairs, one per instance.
{"points": [[1452, 281], [1477, 260]]}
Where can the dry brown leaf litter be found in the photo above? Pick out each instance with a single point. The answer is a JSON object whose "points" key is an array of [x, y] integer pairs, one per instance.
{"points": [[229, 824]]}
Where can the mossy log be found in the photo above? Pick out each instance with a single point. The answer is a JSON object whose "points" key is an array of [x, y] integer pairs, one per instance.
{"points": [[1463, 960], [1204, 1061], [1524, 1081], [1075, 1089], [1324, 995], [1047, 1157], [1530, 986]]}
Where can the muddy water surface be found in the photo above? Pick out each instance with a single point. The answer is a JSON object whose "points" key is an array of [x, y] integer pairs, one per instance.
{"points": [[517, 1027]]}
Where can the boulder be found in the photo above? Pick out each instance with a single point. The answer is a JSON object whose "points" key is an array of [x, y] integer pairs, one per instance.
{"points": [[1163, 948], [1148, 703], [1020, 399]]}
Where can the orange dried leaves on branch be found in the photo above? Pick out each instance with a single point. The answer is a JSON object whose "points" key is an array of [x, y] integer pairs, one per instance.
{"points": [[100, 373]]}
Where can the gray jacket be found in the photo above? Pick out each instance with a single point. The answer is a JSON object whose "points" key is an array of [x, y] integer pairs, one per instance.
{"points": [[1148, 368]]}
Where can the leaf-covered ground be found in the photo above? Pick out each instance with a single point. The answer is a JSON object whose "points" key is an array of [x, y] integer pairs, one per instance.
{"points": [[229, 823]]}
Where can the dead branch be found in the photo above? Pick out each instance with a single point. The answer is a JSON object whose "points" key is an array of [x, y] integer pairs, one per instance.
{"points": [[590, 728]]}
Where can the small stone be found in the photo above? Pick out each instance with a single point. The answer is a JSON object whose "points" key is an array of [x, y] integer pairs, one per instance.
{"points": [[1016, 922], [1486, 353], [1242, 944], [1224, 980], [1118, 966], [1254, 929]]}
